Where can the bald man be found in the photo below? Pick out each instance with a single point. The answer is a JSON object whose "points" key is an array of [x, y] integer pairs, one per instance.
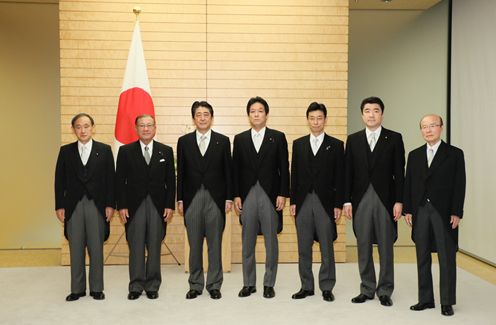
{"points": [[433, 197]]}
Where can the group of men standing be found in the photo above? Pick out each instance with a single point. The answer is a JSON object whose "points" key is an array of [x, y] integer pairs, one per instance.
{"points": [[366, 183]]}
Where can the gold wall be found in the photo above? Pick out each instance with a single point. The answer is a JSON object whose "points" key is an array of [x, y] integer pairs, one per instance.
{"points": [[291, 52], [30, 131]]}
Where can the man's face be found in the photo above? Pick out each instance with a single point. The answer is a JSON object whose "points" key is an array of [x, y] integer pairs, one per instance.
{"points": [[257, 116], [203, 119], [431, 129], [83, 129], [316, 122], [372, 116], [146, 129]]}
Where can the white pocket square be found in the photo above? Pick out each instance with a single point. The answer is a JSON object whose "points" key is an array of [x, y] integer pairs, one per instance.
{"points": [[162, 160]]}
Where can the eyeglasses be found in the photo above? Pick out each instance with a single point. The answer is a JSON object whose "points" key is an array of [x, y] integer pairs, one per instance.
{"points": [[430, 126], [142, 126]]}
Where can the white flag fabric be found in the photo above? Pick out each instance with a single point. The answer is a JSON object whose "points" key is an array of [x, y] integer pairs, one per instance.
{"points": [[135, 98]]}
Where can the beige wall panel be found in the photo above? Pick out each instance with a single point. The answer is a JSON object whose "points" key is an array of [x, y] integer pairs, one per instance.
{"points": [[121, 26], [277, 38], [102, 7], [277, 93], [124, 45], [277, 29], [238, 8], [276, 75], [261, 3], [122, 55], [278, 66], [276, 84], [214, 47], [125, 17], [125, 36], [324, 20]]}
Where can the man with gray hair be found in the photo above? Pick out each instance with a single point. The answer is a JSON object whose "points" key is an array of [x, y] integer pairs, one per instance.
{"points": [[146, 190], [434, 196], [84, 202]]}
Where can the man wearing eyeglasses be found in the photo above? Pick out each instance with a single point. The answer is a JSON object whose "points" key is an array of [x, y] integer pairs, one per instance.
{"points": [[434, 196], [146, 190]]}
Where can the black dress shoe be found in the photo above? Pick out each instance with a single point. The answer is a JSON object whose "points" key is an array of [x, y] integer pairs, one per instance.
{"points": [[152, 294], [361, 298], [246, 291], [215, 294], [422, 305], [133, 295], [303, 294], [386, 301], [269, 292], [327, 295], [192, 294], [75, 296], [97, 295], [447, 310]]}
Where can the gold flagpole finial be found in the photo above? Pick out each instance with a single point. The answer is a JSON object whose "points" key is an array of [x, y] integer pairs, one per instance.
{"points": [[137, 11]]}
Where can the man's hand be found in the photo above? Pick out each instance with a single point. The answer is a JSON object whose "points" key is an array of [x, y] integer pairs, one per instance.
{"points": [[292, 210], [337, 214], [455, 220], [348, 211], [228, 206], [109, 212], [180, 208], [124, 214], [60, 213], [408, 219], [238, 206], [168, 214], [397, 210], [280, 203]]}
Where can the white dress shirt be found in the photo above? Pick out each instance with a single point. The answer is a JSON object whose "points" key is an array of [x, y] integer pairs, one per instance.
{"points": [[434, 150], [316, 142], [207, 135], [150, 148], [377, 134], [87, 150], [257, 138]]}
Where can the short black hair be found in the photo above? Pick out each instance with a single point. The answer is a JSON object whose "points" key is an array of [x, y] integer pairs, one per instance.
{"points": [[372, 100], [78, 116], [139, 117], [254, 100], [202, 103], [317, 107]]}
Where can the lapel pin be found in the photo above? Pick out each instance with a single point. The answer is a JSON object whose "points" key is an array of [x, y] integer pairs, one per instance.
{"points": [[328, 147]]}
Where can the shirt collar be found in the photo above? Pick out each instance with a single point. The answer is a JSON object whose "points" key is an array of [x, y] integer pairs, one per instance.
{"points": [[88, 145], [377, 132], [261, 132], [150, 146], [320, 137], [207, 135], [435, 146]]}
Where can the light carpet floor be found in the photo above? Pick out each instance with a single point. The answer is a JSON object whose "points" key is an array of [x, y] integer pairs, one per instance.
{"points": [[36, 296]]}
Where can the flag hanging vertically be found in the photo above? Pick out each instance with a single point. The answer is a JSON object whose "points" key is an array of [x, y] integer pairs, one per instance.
{"points": [[135, 98]]}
